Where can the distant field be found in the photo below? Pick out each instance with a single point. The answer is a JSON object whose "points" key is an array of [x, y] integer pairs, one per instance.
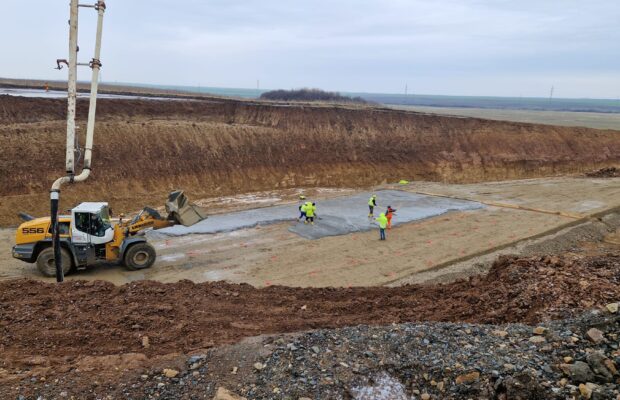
{"points": [[564, 118], [497, 103], [591, 113]]}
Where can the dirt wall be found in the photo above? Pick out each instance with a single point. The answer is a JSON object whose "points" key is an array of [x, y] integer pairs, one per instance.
{"points": [[144, 148]]}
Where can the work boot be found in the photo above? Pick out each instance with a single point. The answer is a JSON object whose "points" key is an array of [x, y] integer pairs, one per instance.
{"points": [[306, 222], [312, 223]]}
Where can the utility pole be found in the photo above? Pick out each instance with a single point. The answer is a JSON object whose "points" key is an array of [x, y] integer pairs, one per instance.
{"points": [[551, 93], [406, 89]]}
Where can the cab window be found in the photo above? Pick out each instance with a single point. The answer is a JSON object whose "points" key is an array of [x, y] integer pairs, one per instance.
{"points": [[63, 227], [82, 222], [93, 224]]}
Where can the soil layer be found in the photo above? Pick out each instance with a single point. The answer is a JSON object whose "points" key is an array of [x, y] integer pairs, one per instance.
{"points": [[144, 148], [66, 320]]}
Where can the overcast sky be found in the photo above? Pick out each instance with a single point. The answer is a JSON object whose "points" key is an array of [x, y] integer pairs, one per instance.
{"points": [[453, 47]]}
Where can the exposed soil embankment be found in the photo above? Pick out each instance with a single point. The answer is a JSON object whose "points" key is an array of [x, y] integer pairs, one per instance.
{"points": [[68, 319], [216, 147]]}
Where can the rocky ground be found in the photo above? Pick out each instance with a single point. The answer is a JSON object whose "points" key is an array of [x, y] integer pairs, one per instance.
{"points": [[571, 359], [412, 361], [186, 340]]}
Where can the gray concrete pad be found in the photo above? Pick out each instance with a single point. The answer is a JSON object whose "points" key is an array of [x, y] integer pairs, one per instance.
{"points": [[337, 216]]}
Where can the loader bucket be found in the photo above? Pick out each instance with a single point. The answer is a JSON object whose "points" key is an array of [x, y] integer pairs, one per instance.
{"points": [[182, 211]]}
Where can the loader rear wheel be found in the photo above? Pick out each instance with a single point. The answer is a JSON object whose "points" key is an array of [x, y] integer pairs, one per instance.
{"points": [[139, 256], [46, 265]]}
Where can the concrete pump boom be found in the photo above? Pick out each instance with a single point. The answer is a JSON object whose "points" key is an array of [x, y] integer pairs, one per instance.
{"points": [[95, 65]]}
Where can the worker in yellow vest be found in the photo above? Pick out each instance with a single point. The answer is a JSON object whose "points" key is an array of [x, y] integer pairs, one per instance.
{"points": [[383, 221], [302, 208], [310, 213], [372, 203]]}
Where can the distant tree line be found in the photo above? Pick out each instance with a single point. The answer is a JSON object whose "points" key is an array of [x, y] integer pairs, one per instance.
{"points": [[307, 94]]}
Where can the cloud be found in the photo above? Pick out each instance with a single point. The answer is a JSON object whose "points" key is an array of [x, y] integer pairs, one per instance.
{"points": [[477, 46]]}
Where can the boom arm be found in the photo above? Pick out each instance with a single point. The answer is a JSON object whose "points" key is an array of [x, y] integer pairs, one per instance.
{"points": [[147, 218], [95, 64], [180, 212]]}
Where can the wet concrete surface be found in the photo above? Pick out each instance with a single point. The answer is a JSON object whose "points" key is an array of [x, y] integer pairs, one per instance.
{"points": [[337, 216]]}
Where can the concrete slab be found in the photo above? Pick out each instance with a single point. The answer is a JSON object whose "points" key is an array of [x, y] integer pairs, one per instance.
{"points": [[337, 216]]}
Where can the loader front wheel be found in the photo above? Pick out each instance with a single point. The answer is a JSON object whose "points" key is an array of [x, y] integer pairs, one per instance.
{"points": [[46, 265], [139, 256]]}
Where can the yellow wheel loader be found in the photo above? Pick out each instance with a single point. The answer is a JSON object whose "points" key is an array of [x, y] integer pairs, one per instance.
{"points": [[88, 236]]}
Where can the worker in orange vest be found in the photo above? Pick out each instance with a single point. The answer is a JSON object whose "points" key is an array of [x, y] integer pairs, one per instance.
{"points": [[388, 214]]}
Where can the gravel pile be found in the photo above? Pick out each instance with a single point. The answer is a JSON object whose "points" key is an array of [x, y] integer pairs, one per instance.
{"points": [[571, 359], [411, 361]]}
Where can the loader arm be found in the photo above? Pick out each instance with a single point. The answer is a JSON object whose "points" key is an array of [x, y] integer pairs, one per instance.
{"points": [[180, 212], [147, 218]]}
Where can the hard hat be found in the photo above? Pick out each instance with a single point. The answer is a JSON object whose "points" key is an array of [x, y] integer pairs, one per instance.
{"points": [[374, 195]]}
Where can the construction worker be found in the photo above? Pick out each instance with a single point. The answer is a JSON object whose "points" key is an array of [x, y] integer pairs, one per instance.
{"points": [[310, 212], [372, 203], [302, 209], [382, 220], [388, 214]]}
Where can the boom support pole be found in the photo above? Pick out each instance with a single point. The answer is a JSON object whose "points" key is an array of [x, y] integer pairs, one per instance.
{"points": [[95, 65]]}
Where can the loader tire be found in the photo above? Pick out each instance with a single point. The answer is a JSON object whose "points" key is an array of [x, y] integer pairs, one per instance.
{"points": [[139, 256], [46, 265]]}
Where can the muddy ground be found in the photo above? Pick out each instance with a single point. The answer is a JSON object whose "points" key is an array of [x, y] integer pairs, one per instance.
{"points": [[441, 248], [50, 331], [37, 317]]}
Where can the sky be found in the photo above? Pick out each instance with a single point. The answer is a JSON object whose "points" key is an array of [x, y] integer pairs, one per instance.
{"points": [[447, 47]]}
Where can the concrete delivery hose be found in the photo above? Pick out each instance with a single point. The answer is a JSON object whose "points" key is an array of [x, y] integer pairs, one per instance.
{"points": [[95, 65]]}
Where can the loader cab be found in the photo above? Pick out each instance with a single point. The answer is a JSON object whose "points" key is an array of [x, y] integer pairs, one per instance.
{"points": [[91, 224]]}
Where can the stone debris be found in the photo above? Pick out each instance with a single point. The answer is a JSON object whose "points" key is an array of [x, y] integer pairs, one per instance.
{"points": [[595, 335], [467, 378], [170, 373], [537, 339], [225, 394], [258, 366], [612, 307]]}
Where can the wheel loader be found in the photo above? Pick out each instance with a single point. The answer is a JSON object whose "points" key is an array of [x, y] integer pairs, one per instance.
{"points": [[88, 236]]}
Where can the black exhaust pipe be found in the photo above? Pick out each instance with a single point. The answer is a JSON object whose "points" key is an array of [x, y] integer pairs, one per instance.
{"points": [[54, 197]]}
